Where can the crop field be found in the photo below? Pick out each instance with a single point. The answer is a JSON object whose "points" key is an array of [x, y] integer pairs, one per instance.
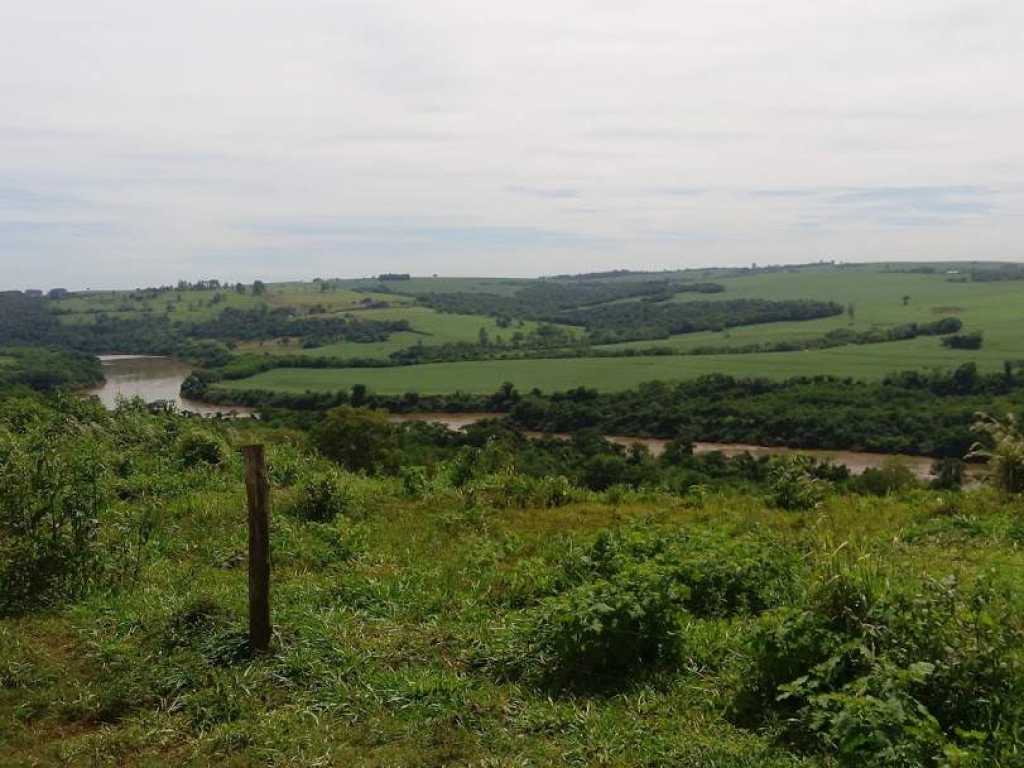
{"points": [[430, 327], [309, 296], [996, 309], [500, 285], [878, 298], [606, 374], [185, 306]]}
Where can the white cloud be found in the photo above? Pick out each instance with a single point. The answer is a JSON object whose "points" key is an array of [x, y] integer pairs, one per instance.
{"points": [[141, 142]]}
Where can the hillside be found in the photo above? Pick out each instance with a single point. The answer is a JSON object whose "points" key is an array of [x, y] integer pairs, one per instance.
{"points": [[475, 607]]}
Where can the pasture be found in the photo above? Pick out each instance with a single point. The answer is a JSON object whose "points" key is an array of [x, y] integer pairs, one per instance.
{"points": [[611, 374]]}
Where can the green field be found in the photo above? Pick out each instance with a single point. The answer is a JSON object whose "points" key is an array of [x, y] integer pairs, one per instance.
{"points": [[996, 309], [193, 305], [430, 327], [610, 374], [500, 285]]}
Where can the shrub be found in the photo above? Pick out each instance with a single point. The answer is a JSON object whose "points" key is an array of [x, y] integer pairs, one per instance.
{"points": [[197, 447], [885, 672], [948, 474], [321, 498], [357, 438], [892, 477], [793, 486], [606, 625], [53, 495], [963, 341], [1004, 451], [616, 604]]}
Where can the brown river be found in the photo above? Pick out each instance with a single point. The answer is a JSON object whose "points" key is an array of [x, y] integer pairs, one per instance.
{"points": [[160, 378], [856, 461], [152, 379]]}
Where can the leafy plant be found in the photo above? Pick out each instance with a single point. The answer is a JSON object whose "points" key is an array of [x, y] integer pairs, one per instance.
{"points": [[793, 486]]}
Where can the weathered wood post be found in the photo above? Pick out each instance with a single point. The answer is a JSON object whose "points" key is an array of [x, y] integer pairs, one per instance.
{"points": [[257, 490]]}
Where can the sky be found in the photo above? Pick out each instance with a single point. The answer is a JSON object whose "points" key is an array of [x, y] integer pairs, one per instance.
{"points": [[142, 142]]}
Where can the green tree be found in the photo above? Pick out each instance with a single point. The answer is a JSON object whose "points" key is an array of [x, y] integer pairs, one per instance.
{"points": [[357, 438], [258, 288]]}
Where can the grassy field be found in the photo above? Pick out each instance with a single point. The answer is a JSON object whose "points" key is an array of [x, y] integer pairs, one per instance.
{"points": [[500, 285], [190, 305], [609, 374], [996, 309], [193, 305], [430, 327], [412, 628]]}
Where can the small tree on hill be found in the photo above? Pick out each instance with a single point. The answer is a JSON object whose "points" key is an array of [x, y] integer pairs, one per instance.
{"points": [[357, 438]]}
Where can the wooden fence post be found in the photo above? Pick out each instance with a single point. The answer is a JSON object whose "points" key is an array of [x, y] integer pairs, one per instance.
{"points": [[257, 489]]}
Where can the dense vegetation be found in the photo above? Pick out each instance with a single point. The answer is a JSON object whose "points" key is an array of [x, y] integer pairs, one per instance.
{"points": [[653, 320], [26, 320], [547, 299], [475, 599], [43, 368]]}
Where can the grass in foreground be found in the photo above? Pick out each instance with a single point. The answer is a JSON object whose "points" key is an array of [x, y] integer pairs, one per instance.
{"points": [[426, 621]]}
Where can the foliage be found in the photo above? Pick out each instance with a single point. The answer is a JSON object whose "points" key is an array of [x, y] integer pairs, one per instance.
{"points": [[197, 447], [892, 673], [321, 498], [356, 438], [53, 491], [963, 341], [792, 485], [1003, 447]]}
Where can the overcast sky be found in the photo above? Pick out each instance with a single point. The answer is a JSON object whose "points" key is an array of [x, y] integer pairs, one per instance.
{"points": [[144, 141]]}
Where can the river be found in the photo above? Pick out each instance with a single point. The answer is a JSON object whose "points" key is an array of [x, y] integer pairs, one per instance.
{"points": [[160, 378], [855, 461], [152, 378]]}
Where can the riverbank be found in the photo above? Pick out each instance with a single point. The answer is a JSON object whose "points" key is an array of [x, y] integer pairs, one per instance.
{"points": [[154, 379], [856, 461]]}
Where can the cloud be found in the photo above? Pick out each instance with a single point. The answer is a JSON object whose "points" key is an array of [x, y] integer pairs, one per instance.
{"points": [[257, 136], [553, 193]]}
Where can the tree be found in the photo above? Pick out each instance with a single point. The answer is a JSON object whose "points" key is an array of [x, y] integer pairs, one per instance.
{"points": [[258, 288], [1002, 444], [357, 438], [851, 311], [358, 396], [906, 300], [485, 340]]}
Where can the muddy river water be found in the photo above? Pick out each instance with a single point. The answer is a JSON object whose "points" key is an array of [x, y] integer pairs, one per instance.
{"points": [[160, 378], [152, 379], [856, 461]]}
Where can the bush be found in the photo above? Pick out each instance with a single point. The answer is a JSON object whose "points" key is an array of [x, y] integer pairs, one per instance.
{"points": [[616, 605], [321, 498], [1004, 451], [197, 447], [53, 495], [793, 486], [892, 477], [606, 625], [884, 672], [357, 438], [963, 341]]}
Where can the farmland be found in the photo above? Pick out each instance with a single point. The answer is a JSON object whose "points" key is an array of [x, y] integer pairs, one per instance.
{"points": [[879, 300]]}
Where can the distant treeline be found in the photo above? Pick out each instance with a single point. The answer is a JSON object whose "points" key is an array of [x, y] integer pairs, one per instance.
{"points": [[546, 300], [623, 311], [44, 369], [909, 412], [263, 323], [27, 320]]}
